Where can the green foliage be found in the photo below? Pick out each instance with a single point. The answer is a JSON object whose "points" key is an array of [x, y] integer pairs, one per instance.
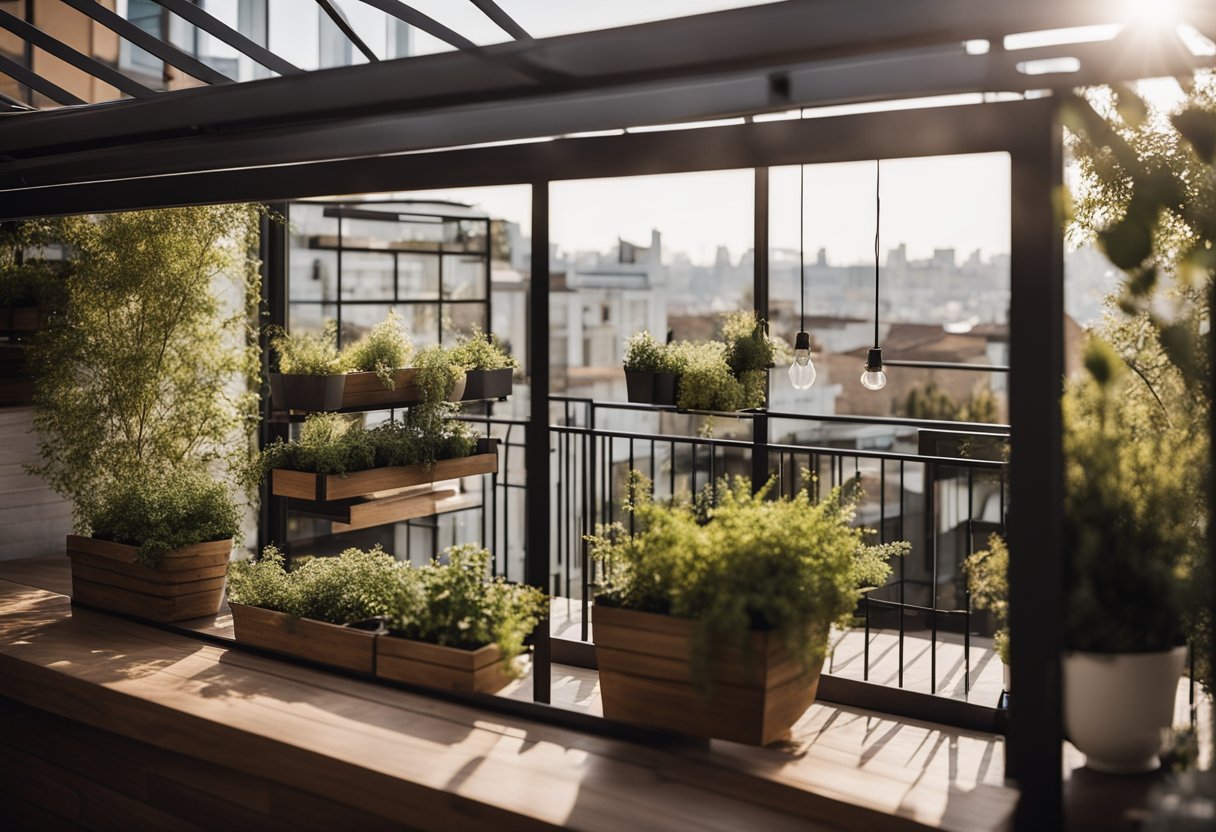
{"points": [[646, 354], [790, 565], [1131, 521], [138, 374], [1148, 197], [480, 351], [27, 278], [436, 374], [330, 443], [706, 381], [988, 581], [161, 512], [386, 348], [748, 347], [931, 402], [459, 606], [453, 604], [309, 353], [355, 586]]}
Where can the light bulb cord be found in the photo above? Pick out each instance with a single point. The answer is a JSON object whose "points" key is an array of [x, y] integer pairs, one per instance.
{"points": [[802, 248], [877, 219]]}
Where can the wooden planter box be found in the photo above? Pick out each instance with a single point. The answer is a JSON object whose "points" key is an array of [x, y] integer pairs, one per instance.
{"points": [[186, 583], [487, 384], [645, 679], [651, 388], [311, 393], [304, 485], [449, 668], [348, 391], [318, 641], [24, 320]]}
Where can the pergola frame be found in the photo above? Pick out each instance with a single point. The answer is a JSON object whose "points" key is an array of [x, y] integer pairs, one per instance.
{"points": [[345, 130]]}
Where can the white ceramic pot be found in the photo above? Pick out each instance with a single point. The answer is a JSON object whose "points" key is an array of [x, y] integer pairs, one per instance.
{"points": [[1005, 671], [1117, 705]]}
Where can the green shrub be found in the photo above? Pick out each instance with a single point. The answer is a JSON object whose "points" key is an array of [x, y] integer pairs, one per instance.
{"points": [[646, 354], [988, 580], [750, 562], [481, 352], [1130, 519], [354, 586], [460, 606], [27, 279], [748, 347], [436, 375], [308, 353], [386, 348], [706, 381], [331, 443], [163, 511]]}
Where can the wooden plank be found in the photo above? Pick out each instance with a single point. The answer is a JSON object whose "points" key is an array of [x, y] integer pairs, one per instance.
{"points": [[299, 484], [489, 679], [379, 512], [106, 577], [188, 557], [315, 641], [153, 607], [454, 657], [215, 567]]}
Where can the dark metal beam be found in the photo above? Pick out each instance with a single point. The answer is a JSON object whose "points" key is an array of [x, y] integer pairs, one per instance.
{"points": [[1036, 576], [165, 51], [536, 452], [418, 20], [191, 13], [895, 134], [339, 19], [505, 22], [65, 53], [36, 82], [14, 105]]}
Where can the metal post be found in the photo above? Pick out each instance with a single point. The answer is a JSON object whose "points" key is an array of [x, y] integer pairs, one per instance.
{"points": [[1036, 327], [760, 244], [537, 453], [272, 519]]}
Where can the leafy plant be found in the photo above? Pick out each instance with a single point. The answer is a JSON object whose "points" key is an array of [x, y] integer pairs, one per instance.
{"points": [[458, 605], [646, 354], [163, 511], [929, 401], [748, 347], [706, 381], [309, 353], [330, 443], [988, 580], [354, 586], [749, 562], [436, 374], [384, 349], [1129, 518], [27, 278], [141, 373], [480, 351]]}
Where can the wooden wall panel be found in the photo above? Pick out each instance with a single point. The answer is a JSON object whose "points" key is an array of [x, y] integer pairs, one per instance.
{"points": [[34, 520]]}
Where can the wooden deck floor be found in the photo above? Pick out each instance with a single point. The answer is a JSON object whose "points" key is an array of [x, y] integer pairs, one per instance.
{"points": [[455, 764]]}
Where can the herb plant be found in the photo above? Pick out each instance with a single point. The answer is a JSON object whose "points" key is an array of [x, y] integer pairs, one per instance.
{"points": [[480, 351], [646, 354], [1129, 518], [163, 511], [436, 374], [458, 605], [308, 353], [706, 382], [749, 562], [384, 349], [988, 580], [748, 347]]}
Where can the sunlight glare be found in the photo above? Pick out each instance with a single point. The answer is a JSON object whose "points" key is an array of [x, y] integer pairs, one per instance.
{"points": [[1156, 13]]}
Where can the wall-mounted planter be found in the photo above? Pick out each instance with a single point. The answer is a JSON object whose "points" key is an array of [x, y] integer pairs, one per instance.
{"points": [[366, 390], [448, 668], [487, 384], [186, 583], [311, 393], [646, 680], [304, 485], [651, 388], [349, 648]]}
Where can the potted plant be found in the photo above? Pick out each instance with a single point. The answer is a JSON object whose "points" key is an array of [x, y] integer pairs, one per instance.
{"points": [[714, 620], [326, 610], [651, 370], [488, 367], [312, 374], [456, 628], [336, 458], [377, 366], [988, 581], [1130, 522], [156, 546]]}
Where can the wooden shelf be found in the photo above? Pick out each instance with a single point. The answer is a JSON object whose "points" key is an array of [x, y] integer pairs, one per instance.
{"points": [[349, 515], [303, 485]]}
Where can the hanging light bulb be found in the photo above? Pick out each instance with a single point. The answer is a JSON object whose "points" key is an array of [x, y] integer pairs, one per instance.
{"points": [[802, 371], [874, 378]]}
